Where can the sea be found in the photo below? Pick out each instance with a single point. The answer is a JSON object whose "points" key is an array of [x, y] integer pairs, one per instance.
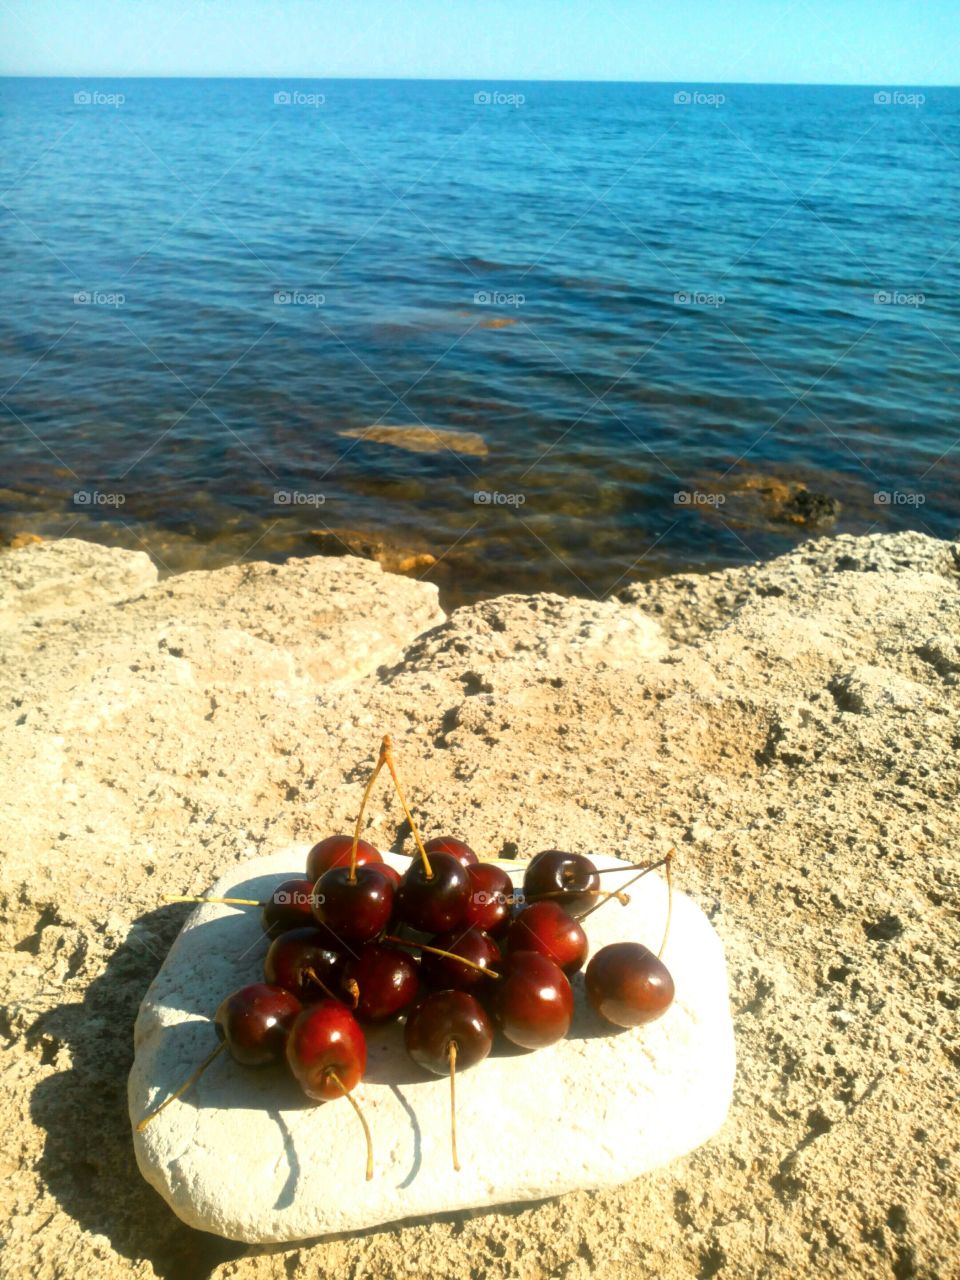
{"points": [[511, 336]]}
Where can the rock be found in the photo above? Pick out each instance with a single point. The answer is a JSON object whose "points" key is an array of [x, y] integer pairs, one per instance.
{"points": [[24, 540], [421, 439], [804, 507], [353, 542], [245, 1155], [62, 579]]}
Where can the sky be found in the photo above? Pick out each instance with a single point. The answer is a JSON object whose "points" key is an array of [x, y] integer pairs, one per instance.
{"points": [[875, 42]]}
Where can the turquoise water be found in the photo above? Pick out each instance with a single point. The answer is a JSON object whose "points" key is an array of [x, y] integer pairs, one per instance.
{"points": [[648, 309]]}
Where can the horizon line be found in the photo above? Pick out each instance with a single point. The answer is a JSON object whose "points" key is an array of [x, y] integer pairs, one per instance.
{"points": [[480, 79]]}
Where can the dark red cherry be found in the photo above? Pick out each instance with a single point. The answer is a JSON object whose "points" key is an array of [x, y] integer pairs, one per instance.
{"points": [[533, 1001], [392, 874], [335, 852], [357, 910], [442, 1018], [628, 985], [567, 878], [302, 961], [450, 844], [434, 903], [326, 1041], [473, 944], [255, 1022], [379, 981], [290, 907], [547, 928], [491, 893]]}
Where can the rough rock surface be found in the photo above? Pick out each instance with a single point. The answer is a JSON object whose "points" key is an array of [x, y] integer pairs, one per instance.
{"points": [[795, 735], [291, 1170]]}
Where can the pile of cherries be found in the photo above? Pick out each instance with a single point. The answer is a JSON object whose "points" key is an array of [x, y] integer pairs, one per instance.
{"points": [[450, 947]]}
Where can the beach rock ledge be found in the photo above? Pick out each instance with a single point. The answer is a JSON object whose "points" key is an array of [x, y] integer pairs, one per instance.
{"points": [[791, 727]]}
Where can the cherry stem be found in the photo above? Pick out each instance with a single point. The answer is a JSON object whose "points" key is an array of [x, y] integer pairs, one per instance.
{"points": [[452, 1055], [360, 1116], [435, 951], [313, 977], [233, 902], [191, 1080], [354, 989], [619, 894], [645, 872], [387, 753], [363, 804], [666, 927]]}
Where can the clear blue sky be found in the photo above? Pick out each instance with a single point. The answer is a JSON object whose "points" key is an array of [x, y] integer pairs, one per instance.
{"points": [[879, 42]]}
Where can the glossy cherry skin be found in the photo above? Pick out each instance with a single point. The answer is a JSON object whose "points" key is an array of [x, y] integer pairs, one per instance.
{"points": [[335, 852], [392, 874], [383, 980], [533, 1002], [442, 1018], [436, 904], [552, 871], [450, 844], [355, 910], [491, 892], [628, 985], [255, 1022], [290, 907], [326, 1038], [301, 951], [473, 944], [547, 928]]}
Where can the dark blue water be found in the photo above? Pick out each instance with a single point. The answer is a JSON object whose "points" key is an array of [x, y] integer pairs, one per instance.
{"points": [[682, 299]]}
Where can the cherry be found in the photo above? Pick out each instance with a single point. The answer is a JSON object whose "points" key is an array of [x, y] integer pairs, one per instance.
{"points": [[446, 1017], [303, 961], [290, 907], [547, 928], [380, 982], [447, 971], [335, 851], [253, 1023], [392, 874], [433, 895], [491, 893], [327, 1054], [450, 844], [446, 1029], [568, 878], [355, 903], [533, 1001], [628, 985]]}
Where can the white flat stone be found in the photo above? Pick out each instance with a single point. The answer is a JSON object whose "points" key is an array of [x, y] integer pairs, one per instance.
{"points": [[246, 1156]]}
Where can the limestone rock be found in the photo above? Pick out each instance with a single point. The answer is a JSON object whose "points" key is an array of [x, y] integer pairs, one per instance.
{"points": [[44, 580], [245, 1155]]}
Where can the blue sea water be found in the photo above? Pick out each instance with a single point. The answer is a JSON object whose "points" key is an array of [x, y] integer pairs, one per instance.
{"points": [[654, 303]]}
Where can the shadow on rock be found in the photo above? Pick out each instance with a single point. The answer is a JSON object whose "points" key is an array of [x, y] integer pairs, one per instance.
{"points": [[88, 1161]]}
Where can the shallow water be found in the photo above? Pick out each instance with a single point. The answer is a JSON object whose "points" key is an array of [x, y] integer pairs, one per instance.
{"points": [[628, 298]]}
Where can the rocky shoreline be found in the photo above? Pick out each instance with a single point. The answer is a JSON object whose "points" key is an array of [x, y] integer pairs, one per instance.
{"points": [[792, 727]]}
